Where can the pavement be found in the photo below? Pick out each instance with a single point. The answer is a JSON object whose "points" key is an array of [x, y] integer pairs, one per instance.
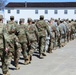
{"points": [[61, 62]]}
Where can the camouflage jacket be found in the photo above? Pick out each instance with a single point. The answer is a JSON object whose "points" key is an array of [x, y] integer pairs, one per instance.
{"points": [[42, 27], [32, 33], [22, 33], [11, 26]]}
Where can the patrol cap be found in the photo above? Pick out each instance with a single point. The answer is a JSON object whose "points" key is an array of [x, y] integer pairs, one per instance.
{"points": [[29, 20], [41, 16], [11, 16], [61, 21], [22, 19], [1, 16]]}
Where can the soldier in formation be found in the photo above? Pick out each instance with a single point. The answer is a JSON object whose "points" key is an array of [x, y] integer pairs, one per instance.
{"points": [[25, 39]]}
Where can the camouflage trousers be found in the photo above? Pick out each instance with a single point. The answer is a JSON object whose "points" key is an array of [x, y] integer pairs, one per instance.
{"points": [[7, 57], [42, 42], [54, 41], [47, 43], [68, 36], [72, 35], [63, 40], [24, 52], [32, 48]]}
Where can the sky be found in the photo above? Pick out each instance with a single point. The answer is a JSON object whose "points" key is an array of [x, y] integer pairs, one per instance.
{"points": [[41, 0]]}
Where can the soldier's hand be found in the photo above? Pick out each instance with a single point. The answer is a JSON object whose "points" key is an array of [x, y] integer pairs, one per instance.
{"points": [[6, 49], [20, 50]]}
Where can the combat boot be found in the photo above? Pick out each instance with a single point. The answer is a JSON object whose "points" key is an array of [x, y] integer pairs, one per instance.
{"points": [[8, 73], [30, 58], [26, 62], [49, 50], [43, 54], [40, 56], [17, 67]]}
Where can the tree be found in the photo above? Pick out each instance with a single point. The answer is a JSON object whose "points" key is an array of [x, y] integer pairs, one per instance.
{"points": [[2, 4]]}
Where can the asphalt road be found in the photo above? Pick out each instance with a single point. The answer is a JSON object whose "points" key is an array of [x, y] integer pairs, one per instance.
{"points": [[61, 62]]}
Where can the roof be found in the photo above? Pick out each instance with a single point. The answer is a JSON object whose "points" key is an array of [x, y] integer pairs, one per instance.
{"points": [[41, 4]]}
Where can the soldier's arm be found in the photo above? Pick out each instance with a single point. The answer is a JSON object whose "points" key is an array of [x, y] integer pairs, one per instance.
{"points": [[47, 28], [17, 31], [27, 34], [36, 32]]}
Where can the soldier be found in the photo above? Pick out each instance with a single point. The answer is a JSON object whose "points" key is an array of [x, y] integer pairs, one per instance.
{"points": [[48, 47], [33, 38], [68, 25], [72, 29], [75, 28], [3, 47], [42, 28], [23, 39], [15, 47], [63, 32], [53, 26], [69, 31], [58, 34]]}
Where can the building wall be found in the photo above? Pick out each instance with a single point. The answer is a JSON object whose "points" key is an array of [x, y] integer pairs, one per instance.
{"points": [[30, 12]]}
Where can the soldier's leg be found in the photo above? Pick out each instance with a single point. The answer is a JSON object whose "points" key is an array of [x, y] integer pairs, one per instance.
{"points": [[25, 53], [49, 46], [5, 64], [68, 36], [31, 51], [63, 40], [17, 51], [4, 67], [59, 42], [44, 51], [42, 47], [46, 44], [33, 47]]}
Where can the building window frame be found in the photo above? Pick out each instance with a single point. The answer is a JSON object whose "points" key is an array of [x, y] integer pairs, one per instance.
{"points": [[18, 11], [36, 11], [9, 11], [46, 11], [65, 11], [55, 11]]}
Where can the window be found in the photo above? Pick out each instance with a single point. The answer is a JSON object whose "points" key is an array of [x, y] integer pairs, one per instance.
{"points": [[65, 12], [18, 11], [36, 11], [55, 12], [46, 11], [9, 11], [74, 11]]}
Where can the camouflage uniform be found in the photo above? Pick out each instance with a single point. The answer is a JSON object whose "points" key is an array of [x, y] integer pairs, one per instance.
{"points": [[3, 46], [68, 31], [33, 37], [63, 32], [75, 28], [22, 36], [54, 32], [53, 26], [49, 46], [13, 42], [72, 30], [42, 28], [59, 36]]}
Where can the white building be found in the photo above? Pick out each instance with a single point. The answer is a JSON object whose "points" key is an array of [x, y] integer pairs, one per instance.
{"points": [[33, 10]]}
